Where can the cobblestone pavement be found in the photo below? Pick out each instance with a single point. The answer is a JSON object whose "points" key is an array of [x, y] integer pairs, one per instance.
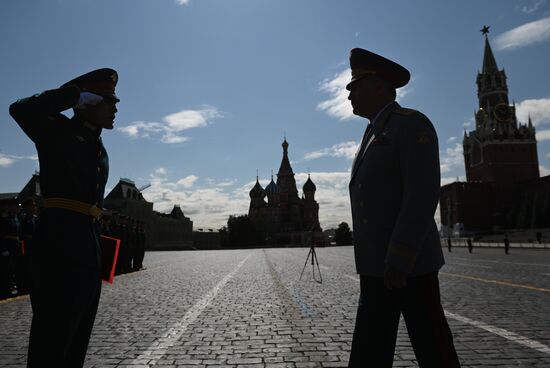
{"points": [[247, 308]]}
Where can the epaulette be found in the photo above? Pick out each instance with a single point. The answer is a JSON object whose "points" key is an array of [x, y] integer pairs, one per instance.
{"points": [[404, 111]]}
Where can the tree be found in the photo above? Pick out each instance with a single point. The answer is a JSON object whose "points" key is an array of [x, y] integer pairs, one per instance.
{"points": [[242, 232], [342, 235], [224, 237]]}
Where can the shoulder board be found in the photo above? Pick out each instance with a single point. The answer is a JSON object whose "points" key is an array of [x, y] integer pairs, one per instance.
{"points": [[404, 111]]}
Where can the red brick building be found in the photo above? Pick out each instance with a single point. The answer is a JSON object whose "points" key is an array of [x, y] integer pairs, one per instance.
{"points": [[503, 188]]}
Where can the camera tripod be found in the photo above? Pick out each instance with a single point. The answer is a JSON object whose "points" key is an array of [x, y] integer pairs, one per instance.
{"points": [[314, 262]]}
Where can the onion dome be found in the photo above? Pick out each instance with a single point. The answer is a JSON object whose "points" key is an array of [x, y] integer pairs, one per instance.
{"points": [[271, 187], [257, 191], [309, 186]]}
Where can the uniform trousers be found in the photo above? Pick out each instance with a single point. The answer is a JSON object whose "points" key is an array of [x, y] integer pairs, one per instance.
{"points": [[378, 317], [65, 289], [64, 304]]}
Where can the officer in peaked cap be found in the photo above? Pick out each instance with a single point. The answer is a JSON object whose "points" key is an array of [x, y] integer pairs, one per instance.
{"points": [[394, 190], [66, 281]]}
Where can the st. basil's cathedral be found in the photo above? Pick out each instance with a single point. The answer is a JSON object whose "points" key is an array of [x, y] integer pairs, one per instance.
{"points": [[286, 218]]}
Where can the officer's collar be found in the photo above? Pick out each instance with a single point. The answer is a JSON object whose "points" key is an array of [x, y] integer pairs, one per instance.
{"points": [[382, 115]]}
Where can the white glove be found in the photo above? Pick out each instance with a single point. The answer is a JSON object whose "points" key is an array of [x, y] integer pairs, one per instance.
{"points": [[88, 99]]}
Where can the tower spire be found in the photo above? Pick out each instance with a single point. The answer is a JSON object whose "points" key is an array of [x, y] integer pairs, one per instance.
{"points": [[489, 62], [285, 163]]}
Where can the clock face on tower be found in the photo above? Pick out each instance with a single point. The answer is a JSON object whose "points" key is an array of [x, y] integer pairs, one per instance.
{"points": [[502, 113]]}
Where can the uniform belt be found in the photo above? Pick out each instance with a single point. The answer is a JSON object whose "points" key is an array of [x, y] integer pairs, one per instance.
{"points": [[12, 237], [27, 236], [72, 205]]}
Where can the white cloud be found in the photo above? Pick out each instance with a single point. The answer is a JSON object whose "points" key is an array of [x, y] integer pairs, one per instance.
{"points": [[160, 171], [524, 35], [8, 160], [544, 170], [227, 183], [173, 125], [173, 138], [188, 181], [208, 207], [543, 135], [141, 129], [451, 179], [344, 149], [338, 105], [468, 123], [131, 131], [182, 2], [5, 161], [452, 159], [533, 7], [402, 92], [539, 109], [547, 155], [188, 119], [451, 139]]}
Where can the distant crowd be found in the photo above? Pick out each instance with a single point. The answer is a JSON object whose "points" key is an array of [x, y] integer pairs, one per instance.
{"points": [[18, 227], [132, 241]]}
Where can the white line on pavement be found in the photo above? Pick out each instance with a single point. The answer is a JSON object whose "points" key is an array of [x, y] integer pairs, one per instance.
{"points": [[522, 340], [159, 348], [467, 264], [504, 262], [512, 336], [353, 278]]}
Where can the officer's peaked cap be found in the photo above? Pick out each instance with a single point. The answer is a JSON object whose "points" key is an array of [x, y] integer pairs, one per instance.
{"points": [[101, 81], [364, 63]]}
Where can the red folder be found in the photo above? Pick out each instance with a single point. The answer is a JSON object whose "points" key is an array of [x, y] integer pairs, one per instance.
{"points": [[109, 255]]}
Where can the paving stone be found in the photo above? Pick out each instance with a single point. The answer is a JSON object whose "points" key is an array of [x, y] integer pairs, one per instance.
{"points": [[263, 316]]}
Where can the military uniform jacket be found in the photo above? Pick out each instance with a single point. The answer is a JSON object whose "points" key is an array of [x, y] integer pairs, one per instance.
{"points": [[394, 190], [73, 165]]}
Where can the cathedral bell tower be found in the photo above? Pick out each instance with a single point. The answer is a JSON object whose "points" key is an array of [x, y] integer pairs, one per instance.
{"points": [[499, 149]]}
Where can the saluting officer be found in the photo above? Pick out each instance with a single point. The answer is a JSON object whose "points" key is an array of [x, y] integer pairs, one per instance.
{"points": [[66, 281], [394, 191]]}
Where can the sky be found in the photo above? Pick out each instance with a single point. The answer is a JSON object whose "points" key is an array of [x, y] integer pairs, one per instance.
{"points": [[209, 88]]}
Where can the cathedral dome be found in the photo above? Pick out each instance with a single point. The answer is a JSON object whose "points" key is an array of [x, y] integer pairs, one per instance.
{"points": [[309, 186], [271, 187], [257, 191]]}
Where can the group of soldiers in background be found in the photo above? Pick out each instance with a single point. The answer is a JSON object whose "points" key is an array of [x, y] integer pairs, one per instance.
{"points": [[132, 241], [17, 228], [18, 224]]}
